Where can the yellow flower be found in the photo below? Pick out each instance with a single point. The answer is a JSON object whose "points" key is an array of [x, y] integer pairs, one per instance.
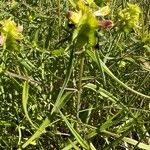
{"points": [[12, 34], [102, 11], [128, 17], [74, 17], [9, 28]]}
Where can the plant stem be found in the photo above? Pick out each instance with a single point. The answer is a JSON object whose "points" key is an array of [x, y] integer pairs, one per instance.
{"points": [[59, 20], [81, 68]]}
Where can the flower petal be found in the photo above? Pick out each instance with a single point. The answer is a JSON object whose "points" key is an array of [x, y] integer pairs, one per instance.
{"points": [[102, 11]]}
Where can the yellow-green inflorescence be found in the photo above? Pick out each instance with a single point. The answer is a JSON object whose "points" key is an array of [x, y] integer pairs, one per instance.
{"points": [[128, 17], [10, 34], [86, 22]]}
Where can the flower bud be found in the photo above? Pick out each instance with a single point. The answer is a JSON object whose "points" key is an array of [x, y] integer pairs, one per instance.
{"points": [[105, 24]]}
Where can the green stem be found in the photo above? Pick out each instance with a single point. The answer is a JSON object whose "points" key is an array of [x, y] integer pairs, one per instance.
{"points": [[80, 82], [59, 20]]}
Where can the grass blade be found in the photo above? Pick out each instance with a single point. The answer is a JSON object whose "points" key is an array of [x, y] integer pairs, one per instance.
{"points": [[130, 141], [105, 68], [37, 133], [69, 71], [74, 145], [102, 92], [25, 101], [92, 146], [77, 136], [62, 101], [68, 147]]}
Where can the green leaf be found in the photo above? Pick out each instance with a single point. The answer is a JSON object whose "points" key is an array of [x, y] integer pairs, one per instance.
{"points": [[106, 69], [99, 3], [6, 123], [92, 37], [69, 146], [92, 146], [58, 52], [130, 141], [59, 101], [25, 101], [125, 139], [109, 122], [82, 35], [82, 142], [74, 145], [104, 126], [147, 48], [37, 133], [95, 58], [102, 92], [59, 104]]}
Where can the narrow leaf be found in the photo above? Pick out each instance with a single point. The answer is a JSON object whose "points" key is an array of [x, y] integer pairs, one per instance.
{"points": [[69, 71], [37, 133], [77, 136], [68, 147], [74, 145], [62, 101], [92, 146], [130, 141], [25, 101], [105, 68]]}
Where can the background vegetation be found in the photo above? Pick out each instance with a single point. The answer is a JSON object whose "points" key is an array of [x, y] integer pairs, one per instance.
{"points": [[53, 96]]}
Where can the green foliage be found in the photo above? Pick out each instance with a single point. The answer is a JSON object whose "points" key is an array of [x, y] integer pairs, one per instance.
{"points": [[79, 81], [37, 133], [25, 101], [99, 2]]}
